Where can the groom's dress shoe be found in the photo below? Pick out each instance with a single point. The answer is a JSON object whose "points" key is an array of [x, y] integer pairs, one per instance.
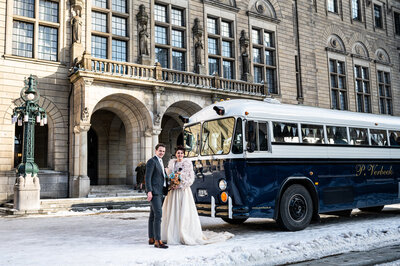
{"points": [[159, 244], [151, 241]]}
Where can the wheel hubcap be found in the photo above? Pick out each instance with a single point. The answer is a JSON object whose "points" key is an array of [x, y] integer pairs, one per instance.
{"points": [[297, 207]]}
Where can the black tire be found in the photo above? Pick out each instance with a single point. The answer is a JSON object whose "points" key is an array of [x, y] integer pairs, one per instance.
{"points": [[234, 221], [343, 213], [372, 209], [295, 208]]}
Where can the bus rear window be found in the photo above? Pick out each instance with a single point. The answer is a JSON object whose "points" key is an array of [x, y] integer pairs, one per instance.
{"points": [[378, 137], [358, 136], [217, 136], [285, 132]]}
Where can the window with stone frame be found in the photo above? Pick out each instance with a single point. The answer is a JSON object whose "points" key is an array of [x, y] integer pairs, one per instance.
{"points": [[110, 34], [36, 29], [385, 93], [396, 18], [362, 84], [333, 6], [264, 58], [170, 36], [356, 10], [378, 16], [221, 47], [337, 76]]}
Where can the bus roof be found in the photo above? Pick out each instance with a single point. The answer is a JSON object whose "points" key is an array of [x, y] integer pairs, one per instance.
{"points": [[273, 110]]}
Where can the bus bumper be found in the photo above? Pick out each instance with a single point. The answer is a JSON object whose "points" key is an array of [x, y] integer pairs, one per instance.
{"points": [[222, 210]]}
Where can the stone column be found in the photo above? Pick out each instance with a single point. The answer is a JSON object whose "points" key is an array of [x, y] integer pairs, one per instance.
{"points": [[27, 193], [156, 132], [80, 182]]}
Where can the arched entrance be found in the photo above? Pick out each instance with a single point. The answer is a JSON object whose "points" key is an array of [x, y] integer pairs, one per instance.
{"points": [[171, 133], [107, 149]]}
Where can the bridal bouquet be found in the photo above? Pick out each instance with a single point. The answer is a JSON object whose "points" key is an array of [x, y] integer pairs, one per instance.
{"points": [[175, 178]]}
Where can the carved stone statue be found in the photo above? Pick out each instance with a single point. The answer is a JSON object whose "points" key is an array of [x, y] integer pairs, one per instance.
{"points": [[198, 43], [244, 44], [77, 26], [142, 18]]}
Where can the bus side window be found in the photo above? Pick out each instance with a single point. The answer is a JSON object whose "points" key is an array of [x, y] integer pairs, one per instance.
{"points": [[251, 139], [237, 146], [394, 138], [336, 135], [313, 134], [378, 137], [358, 136], [285, 132], [263, 136]]}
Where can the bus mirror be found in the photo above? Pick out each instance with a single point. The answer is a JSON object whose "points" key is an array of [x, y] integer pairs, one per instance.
{"points": [[219, 110], [184, 119]]}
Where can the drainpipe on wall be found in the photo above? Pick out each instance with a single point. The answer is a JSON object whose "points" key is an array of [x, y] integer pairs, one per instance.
{"points": [[69, 135], [300, 97]]}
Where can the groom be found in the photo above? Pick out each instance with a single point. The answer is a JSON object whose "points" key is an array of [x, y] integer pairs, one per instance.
{"points": [[156, 187]]}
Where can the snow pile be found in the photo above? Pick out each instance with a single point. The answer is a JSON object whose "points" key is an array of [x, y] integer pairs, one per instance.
{"points": [[121, 239]]}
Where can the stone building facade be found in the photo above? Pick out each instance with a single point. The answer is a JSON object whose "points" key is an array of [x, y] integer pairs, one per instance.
{"points": [[114, 75]]}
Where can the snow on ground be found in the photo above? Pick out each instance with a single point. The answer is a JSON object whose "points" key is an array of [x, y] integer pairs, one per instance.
{"points": [[99, 238]]}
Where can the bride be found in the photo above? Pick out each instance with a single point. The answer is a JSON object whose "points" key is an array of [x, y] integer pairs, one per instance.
{"points": [[180, 223]]}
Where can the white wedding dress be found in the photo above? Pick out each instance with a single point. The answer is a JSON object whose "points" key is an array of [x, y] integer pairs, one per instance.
{"points": [[180, 222]]}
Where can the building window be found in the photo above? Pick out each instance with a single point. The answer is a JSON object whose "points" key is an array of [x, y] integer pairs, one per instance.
{"points": [[385, 93], [264, 59], [41, 14], [109, 28], [221, 55], [396, 23], [356, 9], [333, 6], [361, 76], [378, 16], [170, 32], [338, 84]]}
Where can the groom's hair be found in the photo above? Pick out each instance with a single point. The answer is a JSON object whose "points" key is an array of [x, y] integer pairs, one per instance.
{"points": [[160, 145]]}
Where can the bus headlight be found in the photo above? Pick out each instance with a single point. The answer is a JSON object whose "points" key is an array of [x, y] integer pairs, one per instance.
{"points": [[224, 197], [222, 184]]}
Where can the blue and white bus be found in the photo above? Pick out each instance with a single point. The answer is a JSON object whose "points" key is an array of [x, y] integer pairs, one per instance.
{"points": [[291, 162]]}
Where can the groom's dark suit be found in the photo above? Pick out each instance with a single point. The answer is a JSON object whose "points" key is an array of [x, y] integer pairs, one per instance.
{"points": [[155, 183]]}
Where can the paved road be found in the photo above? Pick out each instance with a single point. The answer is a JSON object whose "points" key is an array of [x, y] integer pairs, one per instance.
{"points": [[371, 257]]}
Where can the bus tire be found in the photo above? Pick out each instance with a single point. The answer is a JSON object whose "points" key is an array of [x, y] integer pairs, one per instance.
{"points": [[295, 208], [234, 221], [372, 209]]}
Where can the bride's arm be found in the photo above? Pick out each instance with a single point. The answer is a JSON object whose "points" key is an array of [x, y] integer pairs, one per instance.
{"points": [[187, 175]]}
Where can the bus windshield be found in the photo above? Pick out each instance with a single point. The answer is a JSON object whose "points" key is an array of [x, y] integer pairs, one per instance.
{"points": [[217, 136], [191, 139]]}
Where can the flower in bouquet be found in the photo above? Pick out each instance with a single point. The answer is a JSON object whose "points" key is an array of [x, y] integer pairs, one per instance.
{"points": [[175, 178]]}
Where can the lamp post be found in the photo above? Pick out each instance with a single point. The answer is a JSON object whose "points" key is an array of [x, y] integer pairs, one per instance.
{"points": [[27, 187]]}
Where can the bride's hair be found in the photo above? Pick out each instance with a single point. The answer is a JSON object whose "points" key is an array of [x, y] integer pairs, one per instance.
{"points": [[179, 148]]}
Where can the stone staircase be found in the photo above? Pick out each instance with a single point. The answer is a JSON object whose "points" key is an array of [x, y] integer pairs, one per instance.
{"points": [[100, 197]]}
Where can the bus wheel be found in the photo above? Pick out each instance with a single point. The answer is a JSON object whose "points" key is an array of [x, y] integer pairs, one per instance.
{"points": [[295, 209], [372, 209], [234, 221]]}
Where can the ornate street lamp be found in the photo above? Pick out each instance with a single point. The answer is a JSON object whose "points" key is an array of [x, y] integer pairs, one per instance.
{"points": [[27, 188]]}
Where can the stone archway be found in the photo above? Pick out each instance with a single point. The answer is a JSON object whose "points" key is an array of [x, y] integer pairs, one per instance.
{"points": [[120, 122], [171, 125]]}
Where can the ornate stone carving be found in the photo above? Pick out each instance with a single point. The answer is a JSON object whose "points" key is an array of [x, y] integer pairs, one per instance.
{"points": [[85, 114], [198, 43], [77, 23], [142, 19], [244, 44]]}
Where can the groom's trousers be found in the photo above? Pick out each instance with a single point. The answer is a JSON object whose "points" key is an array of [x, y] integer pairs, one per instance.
{"points": [[155, 217]]}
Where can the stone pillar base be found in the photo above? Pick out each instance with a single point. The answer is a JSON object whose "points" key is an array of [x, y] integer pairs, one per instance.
{"points": [[247, 77], [145, 60], [201, 69], [27, 193], [76, 53], [80, 186]]}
